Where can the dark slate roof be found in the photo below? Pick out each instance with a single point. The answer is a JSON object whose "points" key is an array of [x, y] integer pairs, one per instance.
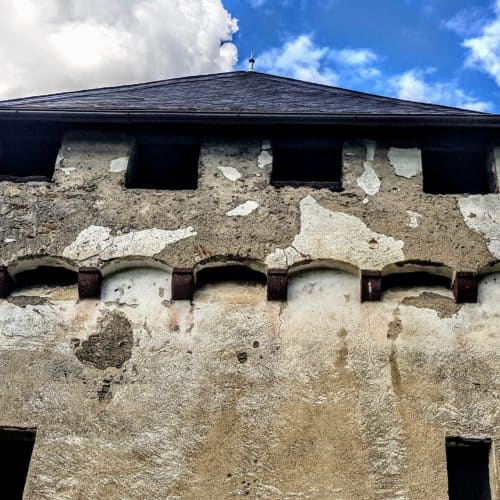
{"points": [[223, 93]]}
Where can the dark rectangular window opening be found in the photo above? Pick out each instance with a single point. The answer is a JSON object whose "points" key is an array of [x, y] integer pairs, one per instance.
{"points": [[16, 446], [28, 154], [456, 171], [307, 162], [164, 162], [468, 468]]}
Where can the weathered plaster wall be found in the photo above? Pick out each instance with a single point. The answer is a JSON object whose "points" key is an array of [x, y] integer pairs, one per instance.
{"points": [[322, 397], [137, 396], [89, 217]]}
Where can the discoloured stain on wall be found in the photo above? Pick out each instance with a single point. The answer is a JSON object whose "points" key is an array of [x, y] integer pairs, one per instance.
{"points": [[111, 346]]}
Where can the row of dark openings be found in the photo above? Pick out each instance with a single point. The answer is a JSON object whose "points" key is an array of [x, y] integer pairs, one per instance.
{"points": [[467, 465], [52, 276], [166, 161]]}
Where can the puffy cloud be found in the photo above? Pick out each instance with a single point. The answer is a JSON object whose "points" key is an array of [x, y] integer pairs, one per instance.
{"points": [[302, 58], [484, 49], [413, 86], [53, 45], [299, 58]]}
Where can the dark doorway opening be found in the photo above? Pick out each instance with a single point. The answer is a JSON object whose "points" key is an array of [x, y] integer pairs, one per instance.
{"points": [[16, 447], [468, 468]]}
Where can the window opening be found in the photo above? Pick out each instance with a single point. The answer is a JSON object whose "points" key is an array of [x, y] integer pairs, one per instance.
{"points": [[456, 171], [307, 162], [468, 468], [28, 155], [164, 162], [16, 447]]}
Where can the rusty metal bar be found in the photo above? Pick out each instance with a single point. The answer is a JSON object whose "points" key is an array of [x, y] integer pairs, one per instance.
{"points": [[465, 287], [371, 286], [6, 283], [182, 283], [89, 283], [277, 284]]}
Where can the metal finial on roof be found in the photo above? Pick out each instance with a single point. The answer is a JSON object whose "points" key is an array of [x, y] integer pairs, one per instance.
{"points": [[251, 61]]}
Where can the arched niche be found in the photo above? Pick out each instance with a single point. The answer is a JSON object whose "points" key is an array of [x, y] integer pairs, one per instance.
{"points": [[231, 271], [319, 264], [323, 279], [414, 273], [136, 282], [43, 272]]}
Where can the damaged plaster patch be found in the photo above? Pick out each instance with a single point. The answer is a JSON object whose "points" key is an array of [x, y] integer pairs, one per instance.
{"points": [[230, 173], [407, 162], [244, 209], [265, 158], [444, 306], [369, 181], [111, 346], [98, 241], [482, 214], [414, 219], [339, 236], [119, 165]]}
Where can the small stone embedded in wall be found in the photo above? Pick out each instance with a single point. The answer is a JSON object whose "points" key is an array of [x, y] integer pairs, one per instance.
{"points": [[230, 173], [111, 346], [244, 209], [119, 165]]}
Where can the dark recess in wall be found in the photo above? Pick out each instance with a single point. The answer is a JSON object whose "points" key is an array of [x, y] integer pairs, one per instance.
{"points": [[468, 468], [16, 447], [164, 162], [29, 152]]}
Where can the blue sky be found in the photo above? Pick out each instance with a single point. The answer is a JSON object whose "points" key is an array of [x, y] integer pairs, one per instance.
{"points": [[442, 51], [413, 49]]}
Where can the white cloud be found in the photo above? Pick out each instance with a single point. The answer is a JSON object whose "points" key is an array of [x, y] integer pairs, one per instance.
{"points": [[304, 59], [299, 58], [467, 22], [353, 57], [484, 49], [413, 86], [53, 45]]}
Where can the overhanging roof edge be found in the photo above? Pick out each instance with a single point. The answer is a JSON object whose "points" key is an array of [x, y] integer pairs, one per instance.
{"points": [[124, 117]]}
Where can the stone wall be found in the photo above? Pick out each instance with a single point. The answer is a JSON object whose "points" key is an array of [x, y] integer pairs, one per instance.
{"points": [[138, 396]]}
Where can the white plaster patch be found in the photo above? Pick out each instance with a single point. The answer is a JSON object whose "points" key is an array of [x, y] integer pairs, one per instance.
{"points": [[68, 170], [369, 181], [119, 165], [482, 213], [265, 159], [339, 236], [244, 209], [407, 162], [414, 219], [97, 241], [266, 144], [230, 173], [9, 240]]}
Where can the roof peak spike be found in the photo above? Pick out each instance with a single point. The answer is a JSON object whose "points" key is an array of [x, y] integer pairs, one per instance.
{"points": [[251, 62]]}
